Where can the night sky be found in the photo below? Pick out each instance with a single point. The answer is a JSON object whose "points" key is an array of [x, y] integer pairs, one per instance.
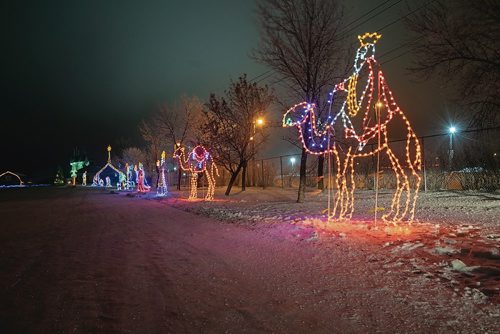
{"points": [[84, 73]]}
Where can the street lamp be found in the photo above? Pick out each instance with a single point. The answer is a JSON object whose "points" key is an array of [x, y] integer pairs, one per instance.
{"points": [[452, 130], [292, 161], [257, 122]]}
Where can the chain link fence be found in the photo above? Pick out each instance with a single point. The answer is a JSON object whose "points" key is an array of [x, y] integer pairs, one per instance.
{"points": [[467, 160]]}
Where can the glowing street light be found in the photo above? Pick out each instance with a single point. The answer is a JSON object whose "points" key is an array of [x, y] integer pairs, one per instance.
{"points": [[452, 130], [258, 122], [292, 160]]}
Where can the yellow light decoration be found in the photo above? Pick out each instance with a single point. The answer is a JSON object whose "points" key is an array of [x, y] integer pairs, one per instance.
{"points": [[352, 104], [320, 142], [369, 38], [198, 161]]}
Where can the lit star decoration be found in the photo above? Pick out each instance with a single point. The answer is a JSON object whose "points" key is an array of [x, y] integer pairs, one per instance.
{"points": [[321, 141], [198, 161], [162, 184]]}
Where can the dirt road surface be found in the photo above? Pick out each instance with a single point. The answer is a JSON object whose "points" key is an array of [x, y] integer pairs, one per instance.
{"points": [[80, 261]]}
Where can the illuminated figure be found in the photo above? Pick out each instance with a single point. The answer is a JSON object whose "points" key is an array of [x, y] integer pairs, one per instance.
{"points": [[379, 109], [84, 178], [142, 185], [108, 182], [96, 180], [129, 179], [198, 161], [162, 183]]}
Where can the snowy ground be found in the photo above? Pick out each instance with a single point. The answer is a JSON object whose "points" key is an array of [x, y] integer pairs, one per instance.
{"points": [[455, 238], [80, 260]]}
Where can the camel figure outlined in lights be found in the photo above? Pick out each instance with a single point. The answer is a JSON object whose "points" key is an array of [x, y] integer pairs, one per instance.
{"points": [[380, 110], [198, 161]]}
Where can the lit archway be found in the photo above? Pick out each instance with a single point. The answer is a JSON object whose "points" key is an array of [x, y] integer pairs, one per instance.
{"points": [[13, 174]]}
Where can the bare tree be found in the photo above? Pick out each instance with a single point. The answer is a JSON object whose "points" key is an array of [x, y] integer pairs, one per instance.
{"points": [[151, 134], [180, 123], [132, 156], [229, 126], [300, 40], [459, 41]]}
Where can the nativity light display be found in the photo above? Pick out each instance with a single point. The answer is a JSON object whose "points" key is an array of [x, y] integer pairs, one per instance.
{"points": [[111, 174], [161, 190], [9, 178], [376, 101], [198, 161]]}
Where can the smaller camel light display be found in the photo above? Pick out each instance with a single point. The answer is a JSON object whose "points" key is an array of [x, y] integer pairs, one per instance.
{"points": [[368, 136], [197, 161]]}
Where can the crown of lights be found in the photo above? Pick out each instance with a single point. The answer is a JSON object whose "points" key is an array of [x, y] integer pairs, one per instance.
{"points": [[369, 38]]}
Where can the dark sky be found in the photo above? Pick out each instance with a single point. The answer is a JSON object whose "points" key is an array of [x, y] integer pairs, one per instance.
{"points": [[84, 73]]}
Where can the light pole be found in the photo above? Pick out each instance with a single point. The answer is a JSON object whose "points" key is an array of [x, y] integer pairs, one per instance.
{"points": [[378, 106], [452, 130], [292, 174], [258, 122]]}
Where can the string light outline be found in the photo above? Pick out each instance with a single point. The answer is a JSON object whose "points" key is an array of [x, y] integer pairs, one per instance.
{"points": [[196, 164], [307, 123]]}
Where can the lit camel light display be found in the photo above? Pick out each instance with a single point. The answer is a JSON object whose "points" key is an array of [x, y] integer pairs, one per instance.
{"points": [[198, 161], [369, 138]]}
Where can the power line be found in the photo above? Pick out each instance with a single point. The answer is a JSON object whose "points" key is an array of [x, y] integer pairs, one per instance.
{"points": [[370, 11], [493, 128], [400, 47], [266, 77], [260, 75], [341, 34], [402, 17], [398, 56], [407, 43], [394, 49], [373, 16]]}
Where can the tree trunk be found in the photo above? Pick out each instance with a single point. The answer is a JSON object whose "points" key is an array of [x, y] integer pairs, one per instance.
{"points": [[302, 179], [179, 176], [244, 176], [157, 176], [321, 163], [234, 175]]}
